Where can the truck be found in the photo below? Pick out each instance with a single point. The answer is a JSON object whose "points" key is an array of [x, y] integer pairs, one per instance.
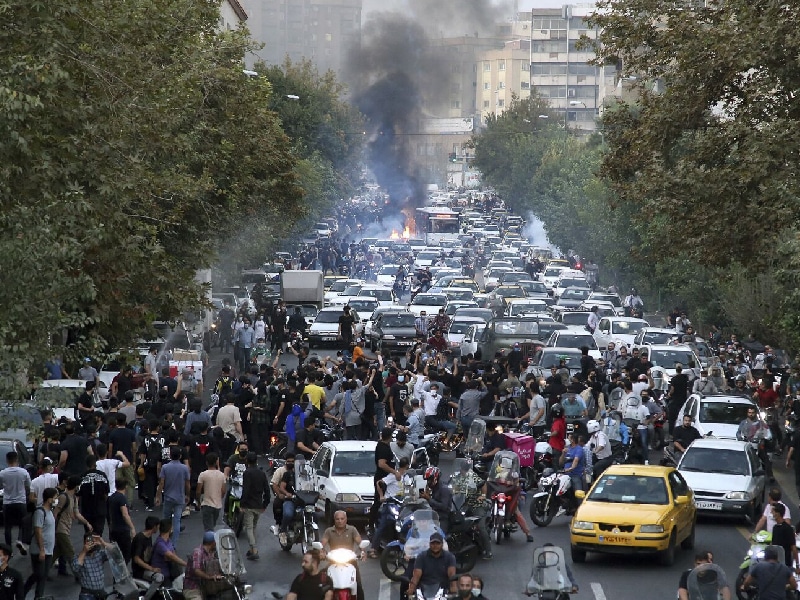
{"points": [[302, 287]]}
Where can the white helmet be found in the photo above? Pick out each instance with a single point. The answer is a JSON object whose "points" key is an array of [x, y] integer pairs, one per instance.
{"points": [[593, 426]]}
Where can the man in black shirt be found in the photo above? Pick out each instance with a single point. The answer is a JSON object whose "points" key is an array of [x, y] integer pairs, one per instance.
{"points": [[676, 396], [311, 584], [120, 525], [384, 465], [93, 493], [783, 535], [142, 552], [684, 434], [305, 442], [74, 450], [12, 585], [255, 496], [396, 399], [346, 327]]}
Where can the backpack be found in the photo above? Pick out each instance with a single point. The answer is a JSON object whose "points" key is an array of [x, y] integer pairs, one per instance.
{"points": [[154, 446], [224, 386], [27, 528], [630, 412]]}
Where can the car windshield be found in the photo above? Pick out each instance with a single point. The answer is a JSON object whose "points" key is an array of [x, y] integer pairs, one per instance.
{"points": [[519, 308], [427, 256], [551, 359], [382, 295], [627, 327], [338, 286], [715, 460], [565, 283], [352, 290], [630, 489], [552, 272], [534, 287], [460, 327], [657, 337], [510, 327], [510, 291], [328, 316], [669, 358], [429, 300], [459, 294], [614, 299], [513, 277], [388, 270], [397, 320], [496, 273], [357, 462], [306, 310], [573, 318], [364, 306], [730, 413], [481, 313], [461, 283], [575, 294], [576, 341]]}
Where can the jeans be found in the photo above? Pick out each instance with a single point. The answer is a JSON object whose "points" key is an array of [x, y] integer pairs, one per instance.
{"points": [[210, 517], [38, 576], [643, 440], [244, 359], [14, 514], [433, 421], [250, 521], [288, 515], [483, 531], [380, 416], [173, 510], [577, 482], [384, 522]]}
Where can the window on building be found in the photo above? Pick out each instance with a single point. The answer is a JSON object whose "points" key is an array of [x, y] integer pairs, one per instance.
{"points": [[328, 37], [525, 85], [551, 91], [487, 66], [548, 69], [526, 66], [549, 46], [501, 65], [501, 103], [486, 85], [502, 85], [455, 104], [485, 104]]}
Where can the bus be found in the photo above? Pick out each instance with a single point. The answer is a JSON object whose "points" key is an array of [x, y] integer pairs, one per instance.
{"points": [[437, 223]]}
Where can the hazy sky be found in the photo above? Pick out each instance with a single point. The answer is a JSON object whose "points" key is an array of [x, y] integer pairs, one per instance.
{"points": [[391, 5]]}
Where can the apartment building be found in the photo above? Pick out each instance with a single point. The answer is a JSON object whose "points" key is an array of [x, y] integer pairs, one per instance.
{"points": [[231, 15], [322, 31], [502, 74]]}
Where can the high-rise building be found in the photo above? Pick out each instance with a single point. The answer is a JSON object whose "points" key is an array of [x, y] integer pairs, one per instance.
{"points": [[501, 75], [231, 15], [322, 31]]}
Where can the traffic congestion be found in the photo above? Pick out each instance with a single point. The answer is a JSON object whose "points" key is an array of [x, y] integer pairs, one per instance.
{"points": [[425, 404]]}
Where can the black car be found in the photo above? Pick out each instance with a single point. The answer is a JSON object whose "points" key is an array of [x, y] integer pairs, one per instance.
{"points": [[573, 297], [393, 331]]}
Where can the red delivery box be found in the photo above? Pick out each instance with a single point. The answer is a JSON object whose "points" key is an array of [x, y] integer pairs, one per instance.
{"points": [[523, 445]]}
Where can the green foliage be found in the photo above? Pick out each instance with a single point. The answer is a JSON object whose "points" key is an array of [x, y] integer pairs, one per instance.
{"points": [[131, 145]]}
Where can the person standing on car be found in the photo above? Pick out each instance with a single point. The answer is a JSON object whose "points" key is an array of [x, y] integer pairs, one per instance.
{"points": [[255, 497]]}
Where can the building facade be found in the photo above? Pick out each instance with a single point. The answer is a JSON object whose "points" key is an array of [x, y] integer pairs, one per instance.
{"points": [[322, 31], [231, 15]]}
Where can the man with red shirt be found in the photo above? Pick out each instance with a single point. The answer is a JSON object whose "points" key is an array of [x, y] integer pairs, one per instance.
{"points": [[558, 432], [765, 396], [437, 342]]}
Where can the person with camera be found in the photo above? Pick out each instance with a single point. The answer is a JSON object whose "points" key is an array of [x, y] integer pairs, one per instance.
{"points": [[88, 567]]}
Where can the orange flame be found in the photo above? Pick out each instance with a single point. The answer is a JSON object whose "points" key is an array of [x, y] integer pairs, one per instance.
{"points": [[395, 235], [406, 232]]}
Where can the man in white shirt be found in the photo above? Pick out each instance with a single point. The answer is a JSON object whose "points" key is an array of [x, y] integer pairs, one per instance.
{"points": [[639, 386], [109, 466], [47, 479], [593, 320], [229, 419], [390, 486], [767, 520], [430, 401], [644, 420]]}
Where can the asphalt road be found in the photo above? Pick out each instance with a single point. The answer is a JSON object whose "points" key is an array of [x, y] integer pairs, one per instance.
{"points": [[602, 577]]}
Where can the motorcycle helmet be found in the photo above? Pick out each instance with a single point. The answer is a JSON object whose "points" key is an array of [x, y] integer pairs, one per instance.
{"points": [[432, 475], [592, 427], [557, 410]]}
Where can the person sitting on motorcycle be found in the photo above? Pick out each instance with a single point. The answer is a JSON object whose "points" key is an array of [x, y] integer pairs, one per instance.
{"points": [[437, 567], [311, 584], [297, 321], [558, 431], [390, 486], [575, 461], [467, 483], [683, 435], [439, 496], [342, 535], [290, 501], [601, 447], [755, 431]]}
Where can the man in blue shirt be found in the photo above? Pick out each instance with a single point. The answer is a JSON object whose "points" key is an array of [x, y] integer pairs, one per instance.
{"points": [[247, 339], [173, 490]]}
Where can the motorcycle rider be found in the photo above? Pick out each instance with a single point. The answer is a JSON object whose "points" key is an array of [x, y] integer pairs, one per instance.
{"points": [[287, 494], [575, 461], [558, 431], [770, 577], [601, 447], [311, 584], [755, 431], [297, 322], [391, 486], [342, 535], [466, 482], [434, 567], [440, 497]]}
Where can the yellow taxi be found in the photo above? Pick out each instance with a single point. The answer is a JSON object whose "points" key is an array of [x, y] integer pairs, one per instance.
{"points": [[634, 509], [559, 262]]}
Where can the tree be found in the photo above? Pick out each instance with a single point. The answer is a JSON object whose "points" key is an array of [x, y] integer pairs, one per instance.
{"points": [[131, 145]]}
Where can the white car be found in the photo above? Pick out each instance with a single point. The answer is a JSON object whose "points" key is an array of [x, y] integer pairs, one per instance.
{"points": [[568, 281], [458, 329], [430, 303], [726, 476], [338, 287], [426, 258], [323, 230], [491, 278], [550, 276], [384, 295], [666, 357], [364, 306], [620, 330], [517, 306], [343, 473], [386, 275], [60, 395], [655, 335], [612, 298], [325, 329], [718, 415], [469, 345], [566, 338], [350, 292]]}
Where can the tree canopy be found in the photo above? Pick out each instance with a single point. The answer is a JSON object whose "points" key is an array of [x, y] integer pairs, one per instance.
{"points": [[131, 145]]}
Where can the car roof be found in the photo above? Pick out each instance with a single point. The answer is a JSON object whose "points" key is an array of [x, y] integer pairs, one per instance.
{"points": [[335, 308], [683, 347], [352, 445], [719, 444], [467, 319], [725, 398], [646, 470], [630, 319]]}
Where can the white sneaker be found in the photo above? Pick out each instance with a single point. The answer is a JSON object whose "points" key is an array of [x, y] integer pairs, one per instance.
{"points": [[647, 462], [561, 511], [282, 538], [274, 529], [23, 547]]}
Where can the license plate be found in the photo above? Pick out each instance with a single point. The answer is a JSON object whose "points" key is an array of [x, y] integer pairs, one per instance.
{"points": [[404, 343], [613, 539], [329, 339], [705, 505]]}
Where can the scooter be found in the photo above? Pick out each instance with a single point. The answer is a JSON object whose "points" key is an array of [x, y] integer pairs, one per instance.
{"points": [[304, 529], [231, 564], [755, 554], [342, 571]]}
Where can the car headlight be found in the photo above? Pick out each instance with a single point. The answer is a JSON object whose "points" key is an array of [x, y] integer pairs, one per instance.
{"points": [[388, 336], [248, 589], [348, 498], [585, 525], [652, 529], [738, 495]]}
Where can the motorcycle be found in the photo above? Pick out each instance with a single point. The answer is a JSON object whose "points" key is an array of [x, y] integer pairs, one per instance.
{"points": [[126, 587], [555, 492], [234, 517], [504, 490], [755, 554], [549, 579], [231, 565], [463, 538], [342, 571], [431, 444], [415, 529], [304, 529]]}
